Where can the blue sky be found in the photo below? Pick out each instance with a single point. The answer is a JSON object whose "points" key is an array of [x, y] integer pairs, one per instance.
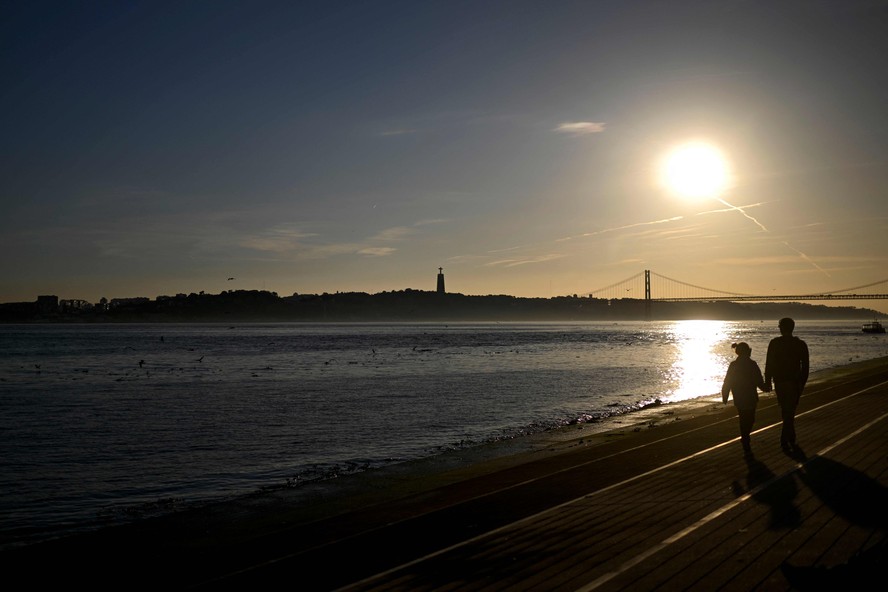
{"points": [[161, 147]]}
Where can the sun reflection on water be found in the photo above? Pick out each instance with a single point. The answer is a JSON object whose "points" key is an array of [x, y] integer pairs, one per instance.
{"points": [[700, 358]]}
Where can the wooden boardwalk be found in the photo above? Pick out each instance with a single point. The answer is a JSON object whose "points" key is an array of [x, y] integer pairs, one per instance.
{"points": [[678, 507]]}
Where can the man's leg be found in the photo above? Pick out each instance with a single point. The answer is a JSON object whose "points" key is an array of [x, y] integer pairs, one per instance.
{"points": [[788, 399]]}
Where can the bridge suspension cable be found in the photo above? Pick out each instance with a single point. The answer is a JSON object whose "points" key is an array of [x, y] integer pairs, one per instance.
{"points": [[670, 289], [855, 288], [620, 284], [714, 291]]}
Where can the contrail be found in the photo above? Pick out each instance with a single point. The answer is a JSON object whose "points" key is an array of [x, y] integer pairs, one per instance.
{"points": [[742, 211], [729, 206], [596, 233], [808, 259], [606, 230], [762, 226]]}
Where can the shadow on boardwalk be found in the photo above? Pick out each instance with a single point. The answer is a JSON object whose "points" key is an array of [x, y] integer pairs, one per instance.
{"points": [[778, 494], [859, 500]]}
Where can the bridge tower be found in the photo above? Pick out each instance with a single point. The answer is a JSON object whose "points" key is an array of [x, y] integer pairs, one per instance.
{"points": [[647, 294]]}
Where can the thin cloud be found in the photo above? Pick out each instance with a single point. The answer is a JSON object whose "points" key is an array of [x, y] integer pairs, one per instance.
{"points": [[399, 132], [580, 128], [279, 239], [288, 242], [394, 233], [465, 259], [508, 249], [377, 251], [432, 221], [524, 261]]}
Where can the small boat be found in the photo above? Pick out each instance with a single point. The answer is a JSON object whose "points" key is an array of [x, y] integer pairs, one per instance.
{"points": [[874, 327]]}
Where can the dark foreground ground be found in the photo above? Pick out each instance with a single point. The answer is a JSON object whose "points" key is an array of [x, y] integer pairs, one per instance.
{"points": [[666, 502]]}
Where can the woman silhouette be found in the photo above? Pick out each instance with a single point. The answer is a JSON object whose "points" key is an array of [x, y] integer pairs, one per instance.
{"points": [[742, 379]]}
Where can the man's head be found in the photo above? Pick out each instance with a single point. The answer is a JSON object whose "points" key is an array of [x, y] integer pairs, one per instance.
{"points": [[786, 325]]}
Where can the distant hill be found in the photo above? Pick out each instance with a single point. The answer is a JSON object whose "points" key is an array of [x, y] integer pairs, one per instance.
{"points": [[401, 306]]}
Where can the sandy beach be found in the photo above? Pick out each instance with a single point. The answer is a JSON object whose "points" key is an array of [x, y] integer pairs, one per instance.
{"points": [[199, 546]]}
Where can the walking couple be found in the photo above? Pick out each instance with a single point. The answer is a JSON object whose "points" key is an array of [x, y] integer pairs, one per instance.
{"points": [[786, 367]]}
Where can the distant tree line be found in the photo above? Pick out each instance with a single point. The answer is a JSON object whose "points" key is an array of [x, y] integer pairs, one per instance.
{"points": [[398, 306]]}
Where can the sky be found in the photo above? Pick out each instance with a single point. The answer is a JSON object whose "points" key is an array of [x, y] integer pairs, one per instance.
{"points": [[155, 148]]}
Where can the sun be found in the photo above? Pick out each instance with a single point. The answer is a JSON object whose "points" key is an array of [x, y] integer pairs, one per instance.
{"points": [[695, 170]]}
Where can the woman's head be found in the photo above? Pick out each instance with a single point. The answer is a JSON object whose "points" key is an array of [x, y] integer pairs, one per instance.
{"points": [[742, 348]]}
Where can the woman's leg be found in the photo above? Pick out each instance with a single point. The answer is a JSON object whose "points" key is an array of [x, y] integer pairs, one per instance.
{"points": [[747, 419]]}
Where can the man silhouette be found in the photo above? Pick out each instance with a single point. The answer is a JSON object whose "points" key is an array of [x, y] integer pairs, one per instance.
{"points": [[786, 365]]}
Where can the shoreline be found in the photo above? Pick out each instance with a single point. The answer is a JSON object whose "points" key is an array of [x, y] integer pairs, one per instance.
{"points": [[412, 477], [229, 522]]}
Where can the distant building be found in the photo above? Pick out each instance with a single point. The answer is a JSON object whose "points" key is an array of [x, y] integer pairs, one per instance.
{"points": [[127, 302], [74, 305], [48, 304], [440, 280]]}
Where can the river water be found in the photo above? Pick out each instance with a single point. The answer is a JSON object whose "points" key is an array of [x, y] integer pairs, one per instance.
{"points": [[107, 423]]}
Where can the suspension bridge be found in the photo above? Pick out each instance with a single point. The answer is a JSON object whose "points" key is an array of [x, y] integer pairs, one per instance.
{"points": [[653, 287]]}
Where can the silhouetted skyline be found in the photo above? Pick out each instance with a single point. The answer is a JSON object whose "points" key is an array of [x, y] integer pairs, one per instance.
{"points": [[397, 306]]}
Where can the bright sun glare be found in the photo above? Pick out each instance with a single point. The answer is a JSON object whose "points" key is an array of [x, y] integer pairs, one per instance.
{"points": [[695, 170], [700, 358]]}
